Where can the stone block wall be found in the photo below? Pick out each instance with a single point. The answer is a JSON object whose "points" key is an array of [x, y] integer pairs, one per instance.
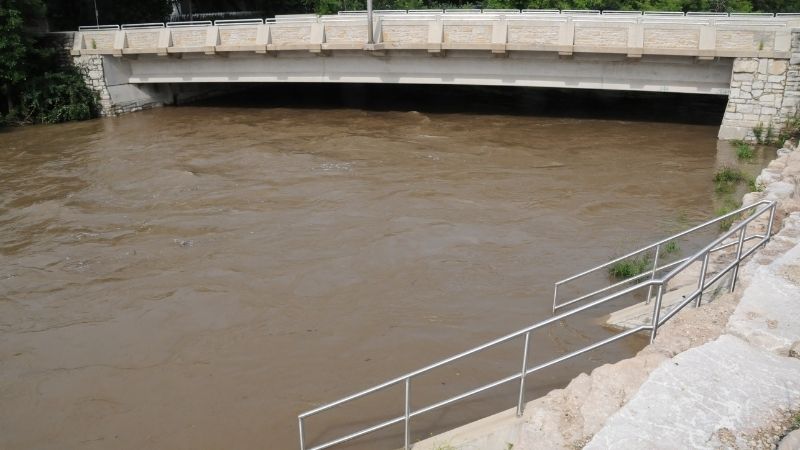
{"points": [[764, 94]]}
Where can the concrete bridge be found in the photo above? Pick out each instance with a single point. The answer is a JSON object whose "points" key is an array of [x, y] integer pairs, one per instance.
{"points": [[748, 57]]}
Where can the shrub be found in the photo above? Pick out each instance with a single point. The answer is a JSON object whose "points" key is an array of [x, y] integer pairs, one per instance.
{"points": [[57, 97]]}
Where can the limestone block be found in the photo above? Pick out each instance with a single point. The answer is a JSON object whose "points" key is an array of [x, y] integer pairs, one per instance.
{"points": [[718, 395], [777, 67], [345, 34], [396, 36], [532, 35], [791, 441], [293, 34], [769, 308], [142, 39], [671, 38], [98, 40], [189, 37], [467, 34], [746, 65], [745, 40], [237, 35], [762, 65], [601, 36]]}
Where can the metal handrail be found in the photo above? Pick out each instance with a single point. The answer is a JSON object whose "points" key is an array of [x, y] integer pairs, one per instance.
{"points": [[227, 22], [740, 229], [98, 27], [643, 250], [189, 24], [138, 26], [467, 14]]}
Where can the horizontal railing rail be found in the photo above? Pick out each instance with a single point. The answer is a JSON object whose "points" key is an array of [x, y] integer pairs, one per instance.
{"points": [[134, 26], [739, 230], [465, 13]]}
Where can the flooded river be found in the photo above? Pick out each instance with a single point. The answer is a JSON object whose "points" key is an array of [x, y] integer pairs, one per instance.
{"points": [[195, 277]]}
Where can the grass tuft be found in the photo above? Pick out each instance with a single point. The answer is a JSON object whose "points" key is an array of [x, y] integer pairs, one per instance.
{"points": [[630, 267], [728, 206], [743, 150], [729, 175], [672, 247]]}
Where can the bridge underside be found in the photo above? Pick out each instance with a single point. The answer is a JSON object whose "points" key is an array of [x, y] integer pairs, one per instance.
{"points": [[581, 71]]}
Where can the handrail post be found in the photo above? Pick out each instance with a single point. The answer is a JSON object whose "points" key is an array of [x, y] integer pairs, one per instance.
{"points": [[555, 296], [521, 401], [702, 280], [653, 276], [739, 248], [771, 219], [370, 38], [302, 437], [407, 434], [656, 312]]}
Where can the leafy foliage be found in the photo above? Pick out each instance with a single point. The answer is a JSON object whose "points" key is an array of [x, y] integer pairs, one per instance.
{"points": [[58, 97], [34, 87]]}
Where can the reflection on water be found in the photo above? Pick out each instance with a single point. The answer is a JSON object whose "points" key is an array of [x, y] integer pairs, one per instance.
{"points": [[194, 277]]}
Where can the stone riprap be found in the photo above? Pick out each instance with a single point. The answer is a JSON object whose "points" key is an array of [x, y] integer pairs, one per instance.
{"points": [[725, 375], [724, 394]]}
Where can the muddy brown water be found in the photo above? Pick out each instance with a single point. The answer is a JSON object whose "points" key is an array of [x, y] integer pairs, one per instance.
{"points": [[195, 277]]}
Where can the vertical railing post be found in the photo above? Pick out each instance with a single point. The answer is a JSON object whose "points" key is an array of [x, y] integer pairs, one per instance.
{"points": [[555, 296], [769, 223], [407, 434], [653, 276], [739, 247], [370, 39], [656, 312], [302, 434], [702, 279], [521, 401]]}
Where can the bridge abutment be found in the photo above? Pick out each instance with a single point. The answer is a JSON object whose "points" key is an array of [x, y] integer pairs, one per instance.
{"points": [[764, 95]]}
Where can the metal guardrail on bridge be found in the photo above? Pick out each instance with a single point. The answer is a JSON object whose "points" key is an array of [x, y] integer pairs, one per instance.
{"points": [[736, 237], [455, 13]]}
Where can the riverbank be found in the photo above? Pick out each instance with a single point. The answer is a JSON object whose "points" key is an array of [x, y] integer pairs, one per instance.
{"points": [[719, 376]]}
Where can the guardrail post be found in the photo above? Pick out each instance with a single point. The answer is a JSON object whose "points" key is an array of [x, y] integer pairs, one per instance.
{"points": [[302, 437], [370, 39], [521, 401], [407, 434], [702, 280], [656, 312], [653, 275], [555, 296], [739, 248], [771, 219]]}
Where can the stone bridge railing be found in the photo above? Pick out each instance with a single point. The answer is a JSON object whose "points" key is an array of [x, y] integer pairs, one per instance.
{"points": [[631, 34]]}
